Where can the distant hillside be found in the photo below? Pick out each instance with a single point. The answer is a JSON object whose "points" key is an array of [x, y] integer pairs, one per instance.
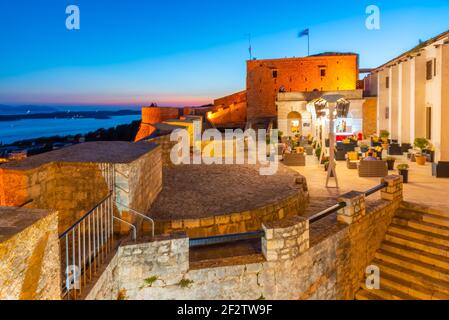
{"points": [[18, 110]]}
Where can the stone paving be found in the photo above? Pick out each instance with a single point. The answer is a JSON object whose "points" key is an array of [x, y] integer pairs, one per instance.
{"points": [[422, 187], [198, 191]]}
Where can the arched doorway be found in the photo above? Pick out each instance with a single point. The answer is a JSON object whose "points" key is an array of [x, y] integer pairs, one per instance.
{"points": [[294, 123]]}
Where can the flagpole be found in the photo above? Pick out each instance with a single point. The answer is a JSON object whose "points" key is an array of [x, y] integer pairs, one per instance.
{"points": [[308, 43]]}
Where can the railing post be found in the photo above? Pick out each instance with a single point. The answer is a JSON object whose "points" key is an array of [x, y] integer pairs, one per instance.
{"points": [[393, 191], [354, 209], [285, 239]]}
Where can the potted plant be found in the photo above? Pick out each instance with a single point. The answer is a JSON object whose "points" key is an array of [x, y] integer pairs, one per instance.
{"points": [[403, 171], [280, 135], [324, 160], [318, 152], [421, 144], [384, 135], [364, 148], [390, 162]]}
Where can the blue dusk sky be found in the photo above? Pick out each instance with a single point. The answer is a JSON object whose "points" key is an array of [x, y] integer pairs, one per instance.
{"points": [[133, 52]]}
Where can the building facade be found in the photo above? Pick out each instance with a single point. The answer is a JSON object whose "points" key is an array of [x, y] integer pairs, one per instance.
{"points": [[323, 72], [296, 114], [413, 95]]}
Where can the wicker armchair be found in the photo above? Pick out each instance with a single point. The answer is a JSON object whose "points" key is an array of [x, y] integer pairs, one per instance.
{"points": [[352, 164], [373, 168]]}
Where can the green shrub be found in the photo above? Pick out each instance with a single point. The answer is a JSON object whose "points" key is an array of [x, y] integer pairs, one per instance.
{"points": [[421, 143], [403, 167], [150, 281], [185, 283], [384, 134]]}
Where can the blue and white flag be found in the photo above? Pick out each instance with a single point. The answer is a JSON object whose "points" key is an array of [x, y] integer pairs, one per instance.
{"points": [[303, 33]]}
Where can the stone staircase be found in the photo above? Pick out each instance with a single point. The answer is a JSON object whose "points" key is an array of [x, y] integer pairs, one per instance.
{"points": [[414, 257]]}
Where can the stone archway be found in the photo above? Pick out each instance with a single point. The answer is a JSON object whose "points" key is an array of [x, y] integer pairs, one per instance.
{"points": [[294, 123]]}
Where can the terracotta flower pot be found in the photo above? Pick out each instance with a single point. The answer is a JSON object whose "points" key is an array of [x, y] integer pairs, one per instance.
{"points": [[420, 160]]}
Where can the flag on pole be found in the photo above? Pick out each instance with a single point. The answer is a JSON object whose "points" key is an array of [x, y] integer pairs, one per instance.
{"points": [[303, 33]]}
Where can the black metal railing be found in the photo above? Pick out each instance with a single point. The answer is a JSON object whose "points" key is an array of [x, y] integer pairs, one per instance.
{"points": [[228, 238], [327, 212], [376, 189]]}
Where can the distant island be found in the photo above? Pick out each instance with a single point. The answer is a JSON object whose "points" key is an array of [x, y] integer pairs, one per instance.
{"points": [[69, 114]]}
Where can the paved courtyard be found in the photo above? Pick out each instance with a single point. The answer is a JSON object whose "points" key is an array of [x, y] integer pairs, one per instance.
{"points": [[198, 191], [422, 187]]}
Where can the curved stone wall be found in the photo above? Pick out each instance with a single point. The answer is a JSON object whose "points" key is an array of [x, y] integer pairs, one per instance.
{"points": [[234, 223]]}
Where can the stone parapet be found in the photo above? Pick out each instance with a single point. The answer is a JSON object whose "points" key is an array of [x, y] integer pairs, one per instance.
{"points": [[393, 192], [354, 209], [285, 239]]}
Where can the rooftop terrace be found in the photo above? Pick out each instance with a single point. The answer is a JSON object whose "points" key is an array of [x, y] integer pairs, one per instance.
{"points": [[95, 152]]}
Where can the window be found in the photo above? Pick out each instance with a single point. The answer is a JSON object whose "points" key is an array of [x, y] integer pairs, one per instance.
{"points": [[387, 113], [434, 67], [275, 74], [429, 123], [387, 82], [323, 72], [429, 70]]}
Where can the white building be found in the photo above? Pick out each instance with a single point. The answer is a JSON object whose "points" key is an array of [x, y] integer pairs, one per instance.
{"points": [[413, 95]]}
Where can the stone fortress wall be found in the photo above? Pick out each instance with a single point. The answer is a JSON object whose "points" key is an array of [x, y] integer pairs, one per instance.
{"points": [[73, 185], [30, 266], [326, 72], [300, 263]]}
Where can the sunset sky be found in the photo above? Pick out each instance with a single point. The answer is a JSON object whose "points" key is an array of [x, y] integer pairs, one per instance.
{"points": [[185, 52]]}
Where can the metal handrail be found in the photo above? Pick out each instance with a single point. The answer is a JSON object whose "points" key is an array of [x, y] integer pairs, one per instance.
{"points": [[327, 212], [228, 238], [376, 189], [140, 215], [128, 224], [123, 189], [84, 217], [341, 205], [26, 203], [85, 247]]}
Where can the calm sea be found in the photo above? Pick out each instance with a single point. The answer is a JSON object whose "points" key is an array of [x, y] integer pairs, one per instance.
{"points": [[11, 131]]}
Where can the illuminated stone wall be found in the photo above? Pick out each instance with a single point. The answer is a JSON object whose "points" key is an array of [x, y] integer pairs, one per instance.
{"points": [[71, 188], [153, 115], [74, 188], [29, 255], [266, 77], [370, 116], [229, 110]]}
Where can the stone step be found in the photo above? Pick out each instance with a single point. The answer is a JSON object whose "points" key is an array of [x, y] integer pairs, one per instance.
{"points": [[411, 289], [424, 226], [408, 275], [407, 206], [425, 217], [412, 243], [416, 260], [386, 292], [363, 294], [419, 234]]}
